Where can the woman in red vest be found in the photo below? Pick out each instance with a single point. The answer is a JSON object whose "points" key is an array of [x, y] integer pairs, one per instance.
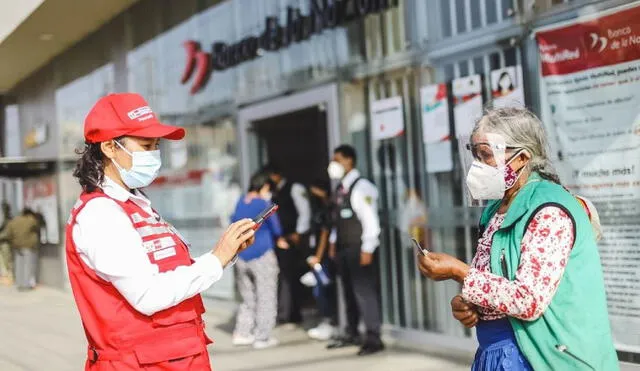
{"points": [[136, 286]]}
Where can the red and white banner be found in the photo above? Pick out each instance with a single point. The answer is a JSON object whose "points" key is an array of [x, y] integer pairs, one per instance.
{"points": [[467, 103], [387, 118], [590, 94], [598, 42], [435, 128]]}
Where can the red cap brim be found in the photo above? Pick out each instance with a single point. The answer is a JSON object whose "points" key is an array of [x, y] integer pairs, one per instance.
{"points": [[159, 131]]}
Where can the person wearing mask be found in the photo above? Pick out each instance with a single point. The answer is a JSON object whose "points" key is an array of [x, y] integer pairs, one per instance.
{"points": [[295, 217], [320, 240], [6, 256], [357, 230], [134, 281], [535, 289], [257, 269], [23, 235]]}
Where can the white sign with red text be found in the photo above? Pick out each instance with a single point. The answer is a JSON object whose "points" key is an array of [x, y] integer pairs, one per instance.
{"points": [[435, 128], [387, 118], [467, 103]]}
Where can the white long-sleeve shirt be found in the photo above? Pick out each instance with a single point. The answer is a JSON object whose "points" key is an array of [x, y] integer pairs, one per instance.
{"points": [[364, 202], [302, 204], [109, 244]]}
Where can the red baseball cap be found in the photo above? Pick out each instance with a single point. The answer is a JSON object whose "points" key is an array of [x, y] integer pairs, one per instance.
{"points": [[125, 114]]}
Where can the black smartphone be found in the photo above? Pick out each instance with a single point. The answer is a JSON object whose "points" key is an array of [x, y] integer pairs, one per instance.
{"points": [[419, 249], [266, 213]]}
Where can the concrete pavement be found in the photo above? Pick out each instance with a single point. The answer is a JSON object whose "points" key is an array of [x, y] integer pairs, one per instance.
{"points": [[41, 330]]}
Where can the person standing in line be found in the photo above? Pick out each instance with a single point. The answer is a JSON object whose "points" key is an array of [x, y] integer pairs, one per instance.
{"points": [[357, 230], [295, 217], [320, 242], [257, 270], [134, 282], [6, 255], [23, 234]]}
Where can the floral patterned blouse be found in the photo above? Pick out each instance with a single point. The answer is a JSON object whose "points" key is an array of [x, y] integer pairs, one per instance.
{"points": [[546, 246]]}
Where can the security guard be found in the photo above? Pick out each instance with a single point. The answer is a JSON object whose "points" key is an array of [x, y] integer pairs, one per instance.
{"points": [[135, 284], [295, 217], [357, 228]]}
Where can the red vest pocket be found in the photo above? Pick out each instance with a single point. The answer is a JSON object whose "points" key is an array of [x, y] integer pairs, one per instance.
{"points": [[180, 348], [183, 312]]}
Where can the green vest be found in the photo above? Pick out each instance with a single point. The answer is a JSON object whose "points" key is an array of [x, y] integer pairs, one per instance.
{"points": [[573, 333]]}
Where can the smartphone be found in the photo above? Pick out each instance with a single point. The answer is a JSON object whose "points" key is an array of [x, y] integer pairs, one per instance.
{"points": [[266, 213], [419, 249]]}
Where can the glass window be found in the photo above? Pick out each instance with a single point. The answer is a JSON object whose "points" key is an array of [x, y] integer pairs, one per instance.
{"points": [[475, 11], [461, 14], [73, 102], [354, 128], [12, 138], [507, 9], [445, 20], [491, 11], [199, 187]]}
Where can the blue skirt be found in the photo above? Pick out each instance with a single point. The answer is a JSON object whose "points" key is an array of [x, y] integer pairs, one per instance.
{"points": [[498, 350]]}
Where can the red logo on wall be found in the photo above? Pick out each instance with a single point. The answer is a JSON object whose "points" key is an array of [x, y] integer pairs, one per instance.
{"points": [[198, 61]]}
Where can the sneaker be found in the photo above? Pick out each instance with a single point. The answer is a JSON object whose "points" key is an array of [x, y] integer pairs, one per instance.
{"points": [[323, 332], [239, 341], [264, 344]]}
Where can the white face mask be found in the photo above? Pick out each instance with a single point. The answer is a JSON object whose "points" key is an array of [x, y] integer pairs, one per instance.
{"points": [[336, 171], [486, 182], [267, 196], [145, 166]]}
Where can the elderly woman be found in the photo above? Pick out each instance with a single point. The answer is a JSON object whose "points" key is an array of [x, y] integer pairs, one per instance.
{"points": [[534, 290]]}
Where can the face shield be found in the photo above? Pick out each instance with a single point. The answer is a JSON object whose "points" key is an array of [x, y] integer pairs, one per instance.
{"points": [[488, 176]]}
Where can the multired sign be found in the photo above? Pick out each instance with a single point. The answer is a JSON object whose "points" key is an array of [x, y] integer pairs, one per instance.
{"points": [[600, 42], [324, 14]]}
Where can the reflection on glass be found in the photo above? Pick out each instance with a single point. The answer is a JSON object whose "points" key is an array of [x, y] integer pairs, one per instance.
{"points": [[196, 192], [73, 102]]}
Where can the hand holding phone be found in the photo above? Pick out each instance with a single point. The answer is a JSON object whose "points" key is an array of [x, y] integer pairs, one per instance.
{"points": [[418, 248], [266, 213]]}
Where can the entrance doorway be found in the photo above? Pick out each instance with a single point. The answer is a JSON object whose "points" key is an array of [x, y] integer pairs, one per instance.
{"points": [[296, 142], [296, 132]]}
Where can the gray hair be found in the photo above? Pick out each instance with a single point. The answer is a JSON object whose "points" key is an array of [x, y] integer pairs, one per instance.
{"points": [[521, 128]]}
